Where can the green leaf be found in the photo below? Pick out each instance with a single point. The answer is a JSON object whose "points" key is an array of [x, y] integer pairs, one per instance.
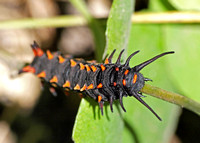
{"points": [[160, 5], [118, 26], [184, 66], [186, 4], [184, 39], [138, 119], [90, 126]]}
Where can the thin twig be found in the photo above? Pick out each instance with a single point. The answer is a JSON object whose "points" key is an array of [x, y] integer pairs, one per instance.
{"points": [[73, 20], [59, 21], [166, 17], [172, 97]]}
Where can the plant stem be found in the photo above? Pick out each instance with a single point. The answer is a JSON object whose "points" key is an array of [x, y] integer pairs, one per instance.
{"points": [[166, 17], [73, 20], [172, 98], [82, 8], [59, 21]]}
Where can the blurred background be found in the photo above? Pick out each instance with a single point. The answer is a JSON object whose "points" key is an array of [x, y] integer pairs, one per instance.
{"points": [[29, 114]]}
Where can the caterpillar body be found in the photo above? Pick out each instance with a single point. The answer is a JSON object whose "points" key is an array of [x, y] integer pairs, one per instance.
{"points": [[104, 82]]}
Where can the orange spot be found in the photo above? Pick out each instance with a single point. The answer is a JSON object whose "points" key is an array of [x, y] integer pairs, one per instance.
{"points": [[87, 67], [67, 84], [77, 87], [29, 69], [82, 67], [49, 55], [114, 83], [117, 69], [61, 59], [126, 72], [106, 61], [42, 74], [93, 68], [134, 78], [39, 52], [100, 85], [91, 86], [124, 82], [103, 68], [73, 63], [83, 88], [99, 98], [54, 79]]}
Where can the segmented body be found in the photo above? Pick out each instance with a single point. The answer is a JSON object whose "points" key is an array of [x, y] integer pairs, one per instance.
{"points": [[103, 82]]}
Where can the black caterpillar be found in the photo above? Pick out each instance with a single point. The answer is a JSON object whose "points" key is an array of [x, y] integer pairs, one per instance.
{"points": [[102, 81]]}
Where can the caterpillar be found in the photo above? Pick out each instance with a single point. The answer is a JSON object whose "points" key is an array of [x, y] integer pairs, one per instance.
{"points": [[104, 82]]}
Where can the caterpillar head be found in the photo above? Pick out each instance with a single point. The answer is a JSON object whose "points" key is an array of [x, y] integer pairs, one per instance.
{"points": [[134, 81]]}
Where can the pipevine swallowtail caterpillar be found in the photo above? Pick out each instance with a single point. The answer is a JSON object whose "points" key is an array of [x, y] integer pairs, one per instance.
{"points": [[104, 82]]}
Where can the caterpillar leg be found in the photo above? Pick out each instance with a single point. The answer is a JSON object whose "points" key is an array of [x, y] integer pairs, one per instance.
{"points": [[100, 104], [121, 101], [111, 103]]}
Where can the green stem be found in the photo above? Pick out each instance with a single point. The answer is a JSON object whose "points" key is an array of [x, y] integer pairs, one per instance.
{"points": [[72, 20], [172, 98], [59, 21], [82, 8]]}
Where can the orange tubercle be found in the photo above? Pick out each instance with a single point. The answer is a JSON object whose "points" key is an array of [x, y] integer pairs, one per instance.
{"points": [[83, 88], [61, 59], [49, 55], [103, 68], [82, 67], [67, 84], [99, 98], [39, 52], [100, 85], [106, 61], [93, 68], [91, 86], [77, 87], [29, 69], [73, 63], [54, 79], [34, 52], [88, 68], [42, 74]]}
